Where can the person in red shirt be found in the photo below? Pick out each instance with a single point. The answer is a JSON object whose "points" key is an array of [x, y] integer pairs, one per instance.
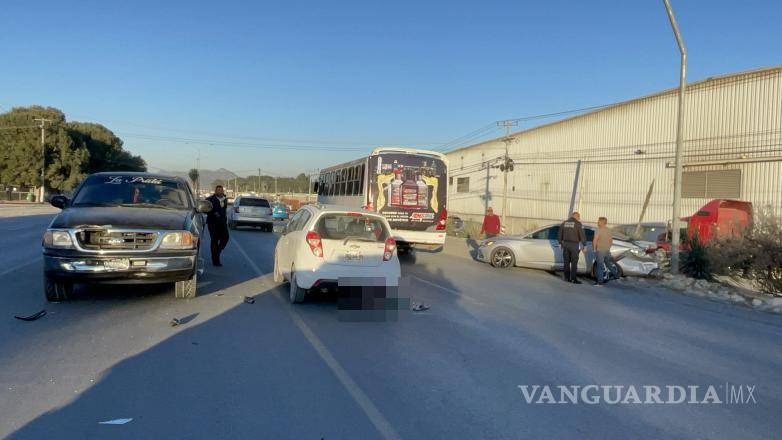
{"points": [[491, 224]]}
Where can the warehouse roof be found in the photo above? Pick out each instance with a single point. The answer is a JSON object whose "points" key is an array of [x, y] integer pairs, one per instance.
{"points": [[710, 81]]}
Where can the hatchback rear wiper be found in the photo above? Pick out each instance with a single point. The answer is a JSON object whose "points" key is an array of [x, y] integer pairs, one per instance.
{"points": [[347, 239]]}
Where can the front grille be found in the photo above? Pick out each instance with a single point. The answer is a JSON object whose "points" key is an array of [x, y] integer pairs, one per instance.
{"points": [[97, 239]]}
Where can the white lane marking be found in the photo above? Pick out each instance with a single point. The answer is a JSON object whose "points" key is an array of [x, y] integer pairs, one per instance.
{"points": [[449, 290], [362, 400], [19, 266]]}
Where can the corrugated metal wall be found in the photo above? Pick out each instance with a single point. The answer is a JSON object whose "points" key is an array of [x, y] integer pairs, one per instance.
{"points": [[733, 120]]}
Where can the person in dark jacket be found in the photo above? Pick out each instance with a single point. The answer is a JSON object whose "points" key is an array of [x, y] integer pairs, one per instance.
{"points": [[217, 221], [572, 239]]}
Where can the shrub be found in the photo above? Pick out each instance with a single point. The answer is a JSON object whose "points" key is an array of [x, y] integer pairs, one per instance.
{"points": [[756, 255], [696, 261]]}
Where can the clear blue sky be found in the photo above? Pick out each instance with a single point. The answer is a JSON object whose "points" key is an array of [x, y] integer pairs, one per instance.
{"points": [[352, 74]]}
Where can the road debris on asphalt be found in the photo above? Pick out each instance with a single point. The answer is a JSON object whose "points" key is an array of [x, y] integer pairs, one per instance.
{"points": [[32, 317], [115, 422], [249, 300], [419, 307], [184, 320]]}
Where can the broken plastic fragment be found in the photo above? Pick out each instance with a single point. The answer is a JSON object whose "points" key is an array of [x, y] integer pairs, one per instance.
{"points": [[249, 300], [32, 317], [419, 307], [115, 422]]}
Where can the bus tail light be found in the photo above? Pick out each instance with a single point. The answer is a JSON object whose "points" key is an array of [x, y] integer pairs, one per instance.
{"points": [[442, 221], [388, 252], [316, 244]]}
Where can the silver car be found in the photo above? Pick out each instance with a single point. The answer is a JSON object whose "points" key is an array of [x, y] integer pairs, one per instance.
{"points": [[251, 211], [540, 249]]}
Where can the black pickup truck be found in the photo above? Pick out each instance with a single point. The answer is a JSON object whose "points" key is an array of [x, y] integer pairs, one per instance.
{"points": [[124, 228]]}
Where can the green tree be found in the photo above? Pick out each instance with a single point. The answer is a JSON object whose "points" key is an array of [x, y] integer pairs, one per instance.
{"points": [[193, 174], [73, 149]]}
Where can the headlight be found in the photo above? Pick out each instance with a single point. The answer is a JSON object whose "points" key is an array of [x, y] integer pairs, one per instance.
{"points": [[638, 252], [57, 239], [177, 240], [488, 243]]}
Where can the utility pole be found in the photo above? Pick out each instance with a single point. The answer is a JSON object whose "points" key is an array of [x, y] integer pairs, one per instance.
{"points": [[677, 179], [198, 169], [43, 122], [275, 186], [258, 185], [506, 165]]}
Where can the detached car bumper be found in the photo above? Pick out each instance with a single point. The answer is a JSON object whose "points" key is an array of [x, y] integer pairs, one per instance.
{"points": [[132, 269]]}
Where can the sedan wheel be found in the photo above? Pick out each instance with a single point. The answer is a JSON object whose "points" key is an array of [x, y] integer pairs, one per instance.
{"points": [[502, 258]]}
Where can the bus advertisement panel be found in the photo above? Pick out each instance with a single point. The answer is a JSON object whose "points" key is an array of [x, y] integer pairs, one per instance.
{"points": [[409, 190]]}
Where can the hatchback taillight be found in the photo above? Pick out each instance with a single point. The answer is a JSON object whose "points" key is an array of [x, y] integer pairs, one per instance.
{"points": [[442, 221], [316, 244], [388, 252]]}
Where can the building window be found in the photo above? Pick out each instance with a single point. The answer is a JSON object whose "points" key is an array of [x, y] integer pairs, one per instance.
{"points": [[462, 184], [722, 184]]}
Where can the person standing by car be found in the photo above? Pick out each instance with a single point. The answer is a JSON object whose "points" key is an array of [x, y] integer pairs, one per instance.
{"points": [[217, 221], [491, 224], [571, 237], [601, 244]]}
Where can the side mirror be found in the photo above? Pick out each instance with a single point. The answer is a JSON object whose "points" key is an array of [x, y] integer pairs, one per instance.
{"points": [[59, 201], [204, 206]]}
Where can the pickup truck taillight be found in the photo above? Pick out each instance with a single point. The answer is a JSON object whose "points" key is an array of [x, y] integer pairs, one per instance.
{"points": [[442, 221], [316, 244], [388, 252]]}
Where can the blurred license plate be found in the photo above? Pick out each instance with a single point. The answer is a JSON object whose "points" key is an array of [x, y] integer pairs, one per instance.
{"points": [[117, 264], [353, 256]]}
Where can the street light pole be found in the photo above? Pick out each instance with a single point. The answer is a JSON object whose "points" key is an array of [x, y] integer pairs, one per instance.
{"points": [[507, 124], [677, 179], [43, 121]]}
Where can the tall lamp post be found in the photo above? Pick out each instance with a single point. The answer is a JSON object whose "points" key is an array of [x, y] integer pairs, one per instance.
{"points": [[677, 180]]}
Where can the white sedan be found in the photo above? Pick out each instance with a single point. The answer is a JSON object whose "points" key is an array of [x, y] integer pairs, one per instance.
{"points": [[322, 244]]}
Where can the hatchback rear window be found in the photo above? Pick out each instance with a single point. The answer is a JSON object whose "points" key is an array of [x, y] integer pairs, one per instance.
{"points": [[254, 202], [340, 226]]}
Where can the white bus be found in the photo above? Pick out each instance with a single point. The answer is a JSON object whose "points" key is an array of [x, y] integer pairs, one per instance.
{"points": [[408, 186]]}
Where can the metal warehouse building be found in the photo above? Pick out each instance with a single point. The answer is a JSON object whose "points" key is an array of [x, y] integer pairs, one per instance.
{"points": [[732, 149]]}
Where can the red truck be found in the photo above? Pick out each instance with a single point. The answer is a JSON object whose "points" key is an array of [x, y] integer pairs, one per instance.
{"points": [[716, 219]]}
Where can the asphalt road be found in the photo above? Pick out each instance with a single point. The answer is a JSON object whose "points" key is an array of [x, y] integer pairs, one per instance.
{"points": [[274, 370]]}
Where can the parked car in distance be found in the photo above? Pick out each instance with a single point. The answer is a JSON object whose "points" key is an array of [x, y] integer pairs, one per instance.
{"points": [[251, 211], [719, 218], [323, 243], [127, 228], [648, 234], [280, 211], [540, 249]]}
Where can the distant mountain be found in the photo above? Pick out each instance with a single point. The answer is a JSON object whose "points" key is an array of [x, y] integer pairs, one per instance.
{"points": [[207, 176]]}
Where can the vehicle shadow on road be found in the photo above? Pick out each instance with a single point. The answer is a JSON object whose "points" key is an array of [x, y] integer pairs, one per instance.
{"points": [[239, 372]]}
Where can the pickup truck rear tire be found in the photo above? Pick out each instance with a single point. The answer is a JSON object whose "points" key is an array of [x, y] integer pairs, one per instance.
{"points": [[186, 288], [56, 290]]}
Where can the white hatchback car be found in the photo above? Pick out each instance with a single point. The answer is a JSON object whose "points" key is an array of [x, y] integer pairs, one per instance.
{"points": [[323, 243]]}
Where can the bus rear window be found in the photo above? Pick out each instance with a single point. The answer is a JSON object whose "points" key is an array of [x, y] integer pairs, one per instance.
{"points": [[343, 225]]}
